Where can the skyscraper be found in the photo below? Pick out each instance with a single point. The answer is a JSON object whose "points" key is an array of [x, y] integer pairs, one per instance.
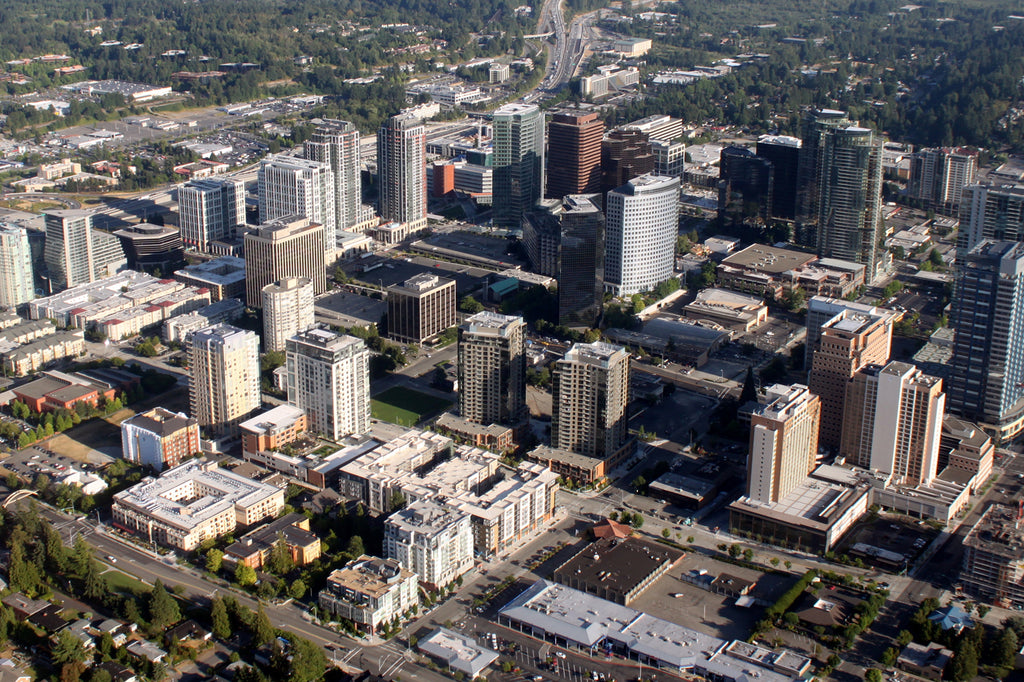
{"points": [[224, 378], [625, 154], [846, 343], [841, 164], [15, 267], [822, 310], [336, 143], [938, 176], [210, 210], [401, 165], [783, 442], [329, 378], [287, 310], [987, 383], [290, 186], [492, 369], [783, 153], [745, 186], [641, 223], [518, 162], [892, 422], [574, 154], [75, 253], [580, 261], [589, 396], [991, 212], [291, 246]]}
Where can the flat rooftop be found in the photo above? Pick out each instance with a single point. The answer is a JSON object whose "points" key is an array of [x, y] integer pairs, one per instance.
{"points": [[279, 417], [769, 259], [618, 564]]}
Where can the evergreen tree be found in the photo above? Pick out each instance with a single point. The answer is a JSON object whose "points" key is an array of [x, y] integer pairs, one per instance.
{"points": [[68, 649], [219, 617], [965, 662], [1005, 649], [355, 547], [749, 392], [280, 560], [163, 608], [262, 628]]}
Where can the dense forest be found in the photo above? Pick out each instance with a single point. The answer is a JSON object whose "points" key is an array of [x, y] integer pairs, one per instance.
{"points": [[941, 74]]}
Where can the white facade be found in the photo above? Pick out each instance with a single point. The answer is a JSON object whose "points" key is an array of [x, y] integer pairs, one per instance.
{"points": [[369, 592], [329, 378], [642, 220], [432, 541], [401, 167], [224, 385], [210, 210], [287, 310], [783, 442], [15, 267], [75, 253], [336, 143], [290, 186]]}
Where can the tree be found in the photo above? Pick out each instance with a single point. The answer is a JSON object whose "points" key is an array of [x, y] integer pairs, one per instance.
{"points": [[355, 547], [308, 662], [219, 617], [262, 628], [245, 575], [965, 663], [749, 392], [1005, 649], [68, 649], [214, 560], [470, 305], [397, 500], [638, 521], [297, 589], [735, 551], [280, 560], [873, 675], [163, 608]]}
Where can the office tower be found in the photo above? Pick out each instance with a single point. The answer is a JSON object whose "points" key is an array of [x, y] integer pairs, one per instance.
{"points": [[291, 246], [224, 380], [892, 422], [938, 176], [287, 310], [783, 442], [625, 154], [589, 396], [987, 383], [290, 186], [783, 153], [846, 343], [574, 154], [669, 157], [641, 224], [821, 310], [76, 253], [402, 171], [541, 236], [329, 378], [659, 127], [336, 143], [991, 212], [815, 126], [518, 162], [492, 369], [15, 267], [152, 246], [744, 187], [421, 308], [159, 438], [432, 540], [581, 261], [210, 210], [842, 166]]}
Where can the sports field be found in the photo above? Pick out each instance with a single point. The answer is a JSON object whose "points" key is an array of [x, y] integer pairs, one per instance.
{"points": [[405, 406]]}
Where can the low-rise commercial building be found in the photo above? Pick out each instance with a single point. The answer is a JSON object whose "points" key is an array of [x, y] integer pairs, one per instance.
{"points": [[273, 429], [253, 549], [194, 502], [179, 327], [617, 570], [458, 652], [431, 540], [491, 436], [769, 270], [224, 277], [159, 438], [580, 469], [732, 310], [928, 661], [964, 446], [60, 390], [370, 592]]}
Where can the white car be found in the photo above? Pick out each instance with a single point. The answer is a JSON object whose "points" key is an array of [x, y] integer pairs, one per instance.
{"points": [[559, 654]]}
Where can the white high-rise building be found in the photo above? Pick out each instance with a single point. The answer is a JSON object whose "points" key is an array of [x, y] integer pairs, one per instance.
{"points": [[783, 442], [290, 186], [431, 540], [641, 224], [401, 166], [224, 385], [75, 253], [15, 267], [210, 210], [329, 378], [336, 143], [287, 310]]}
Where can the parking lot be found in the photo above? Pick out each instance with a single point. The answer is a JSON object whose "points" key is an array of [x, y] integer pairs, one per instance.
{"points": [[39, 459], [346, 309], [892, 534]]}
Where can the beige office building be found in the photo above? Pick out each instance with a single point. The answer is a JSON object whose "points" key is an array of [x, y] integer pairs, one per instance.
{"points": [[846, 343], [590, 394], [893, 422], [287, 310], [492, 369], [421, 308], [783, 442], [224, 385], [287, 247]]}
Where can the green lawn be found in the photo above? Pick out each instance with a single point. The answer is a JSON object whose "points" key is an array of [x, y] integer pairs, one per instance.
{"points": [[122, 582], [405, 406]]}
